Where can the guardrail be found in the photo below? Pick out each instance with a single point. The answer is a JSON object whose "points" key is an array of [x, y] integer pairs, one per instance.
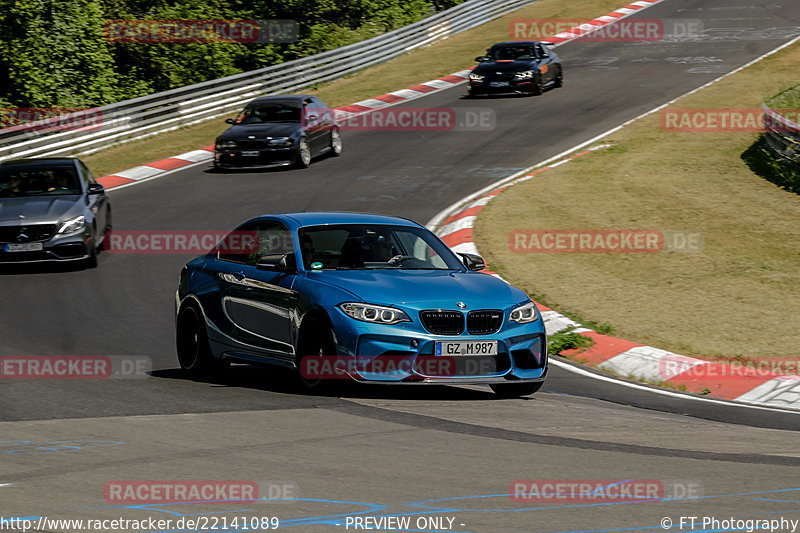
{"points": [[782, 135], [169, 110]]}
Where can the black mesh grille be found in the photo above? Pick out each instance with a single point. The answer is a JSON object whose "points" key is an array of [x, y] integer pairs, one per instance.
{"points": [[252, 143], [22, 234], [443, 322], [484, 322]]}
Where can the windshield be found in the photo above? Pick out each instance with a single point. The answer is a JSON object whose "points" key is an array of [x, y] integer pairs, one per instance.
{"points": [[263, 113], [37, 181], [373, 246], [512, 53]]}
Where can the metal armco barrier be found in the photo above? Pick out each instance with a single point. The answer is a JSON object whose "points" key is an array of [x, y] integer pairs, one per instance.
{"points": [[169, 110], [782, 135]]}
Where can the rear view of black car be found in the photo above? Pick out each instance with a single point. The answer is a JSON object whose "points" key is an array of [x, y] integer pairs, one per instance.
{"points": [[51, 209], [278, 131], [528, 67]]}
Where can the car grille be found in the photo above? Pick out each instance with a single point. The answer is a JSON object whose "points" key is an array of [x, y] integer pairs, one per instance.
{"points": [[443, 322], [500, 77], [31, 233], [252, 143], [484, 322]]}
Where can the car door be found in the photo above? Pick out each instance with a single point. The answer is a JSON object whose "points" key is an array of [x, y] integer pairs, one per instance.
{"points": [[314, 126], [326, 123], [546, 69], [97, 203], [257, 305]]}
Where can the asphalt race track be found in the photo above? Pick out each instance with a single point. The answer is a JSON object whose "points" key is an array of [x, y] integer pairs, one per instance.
{"points": [[371, 451]]}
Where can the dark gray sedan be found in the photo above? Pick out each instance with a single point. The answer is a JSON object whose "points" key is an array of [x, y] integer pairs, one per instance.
{"points": [[51, 209]]}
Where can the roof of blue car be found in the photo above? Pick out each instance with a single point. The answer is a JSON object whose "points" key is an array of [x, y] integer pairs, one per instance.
{"points": [[318, 218]]}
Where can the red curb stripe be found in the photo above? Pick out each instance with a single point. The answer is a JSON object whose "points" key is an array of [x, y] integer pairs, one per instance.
{"points": [[457, 237], [632, 6], [390, 98], [209, 148], [718, 379], [453, 78], [354, 108], [109, 182], [472, 211], [542, 307], [604, 348], [423, 88], [169, 163]]}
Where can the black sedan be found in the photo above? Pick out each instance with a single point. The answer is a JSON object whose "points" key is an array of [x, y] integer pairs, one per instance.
{"points": [[516, 66], [51, 209], [278, 131]]}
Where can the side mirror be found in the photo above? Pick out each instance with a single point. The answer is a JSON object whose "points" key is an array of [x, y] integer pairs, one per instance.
{"points": [[277, 262], [96, 188], [472, 261], [481, 58], [228, 121], [311, 118]]}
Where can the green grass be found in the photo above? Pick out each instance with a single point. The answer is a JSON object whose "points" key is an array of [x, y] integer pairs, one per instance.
{"points": [[737, 297]]}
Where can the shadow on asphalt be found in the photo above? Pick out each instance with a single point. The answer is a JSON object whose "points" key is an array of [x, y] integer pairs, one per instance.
{"points": [[281, 381]]}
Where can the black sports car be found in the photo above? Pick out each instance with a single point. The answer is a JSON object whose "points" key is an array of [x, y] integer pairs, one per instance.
{"points": [[278, 131], [51, 209], [516, 66]]}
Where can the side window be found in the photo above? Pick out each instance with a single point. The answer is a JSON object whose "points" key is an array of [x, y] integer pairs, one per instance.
{"points": [[321, 109], [249, 242], [87, 175], [542, 51]]}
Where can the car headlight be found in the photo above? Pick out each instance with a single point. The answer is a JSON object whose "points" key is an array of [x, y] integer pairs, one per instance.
{"points": [[226, 145], [525, 314], [72, 225], [476, 77], [523, 75], [376, 314], [280, 141]]}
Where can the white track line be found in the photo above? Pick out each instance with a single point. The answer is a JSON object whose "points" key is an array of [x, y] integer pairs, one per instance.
{"points": [[580, 371]]}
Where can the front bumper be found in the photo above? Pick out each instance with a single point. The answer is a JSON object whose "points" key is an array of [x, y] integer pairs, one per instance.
{"points": [[490, 87], [61, 248], [266, 158], [393, 354]]}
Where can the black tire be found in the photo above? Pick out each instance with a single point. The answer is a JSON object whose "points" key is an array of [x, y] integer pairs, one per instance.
{"points": [[218, 169], [316, 339], [538, 86], [91, 261], [302, 157], [558, 81], [106, 232], [473, 93], [516, 390], [336, 143], [191, 343]]}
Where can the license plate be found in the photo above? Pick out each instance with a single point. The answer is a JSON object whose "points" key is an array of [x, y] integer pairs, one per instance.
{"points": [[250, 154], [25, 247], [453, 348], [498, 84]]}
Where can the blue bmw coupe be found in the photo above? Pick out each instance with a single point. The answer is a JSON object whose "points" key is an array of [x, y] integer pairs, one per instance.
{"points": [[363, 297]]}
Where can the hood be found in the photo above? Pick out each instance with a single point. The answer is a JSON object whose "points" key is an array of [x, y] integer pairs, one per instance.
{"points": [[271, 129], [424, 288], [505, 66], [38, 209]]}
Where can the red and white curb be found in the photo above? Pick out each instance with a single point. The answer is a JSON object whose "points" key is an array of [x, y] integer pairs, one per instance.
{"points": [[595, 24], [622, 357]]}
